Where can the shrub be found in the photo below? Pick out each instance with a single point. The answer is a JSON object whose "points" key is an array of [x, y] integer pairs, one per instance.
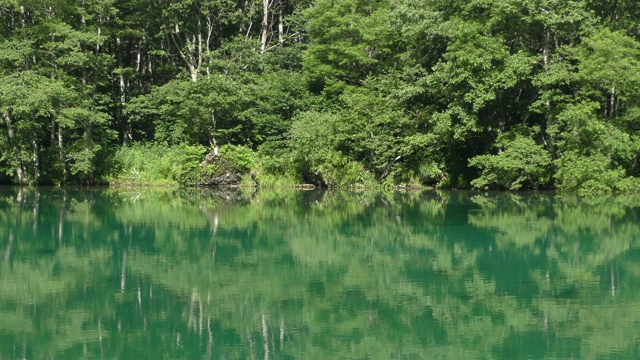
{"points": [[593, 174], [522, 164], [242, 158]]}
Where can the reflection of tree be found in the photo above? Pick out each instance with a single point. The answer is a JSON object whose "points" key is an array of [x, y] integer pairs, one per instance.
{"points": [[582, 245], [186, 274], [38, 272]]}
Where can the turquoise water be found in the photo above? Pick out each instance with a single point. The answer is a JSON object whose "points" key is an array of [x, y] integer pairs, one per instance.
{"points": [[189, 274]]}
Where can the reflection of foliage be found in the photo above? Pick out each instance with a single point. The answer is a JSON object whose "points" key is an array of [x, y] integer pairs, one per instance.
{"points": [[189, 274]]}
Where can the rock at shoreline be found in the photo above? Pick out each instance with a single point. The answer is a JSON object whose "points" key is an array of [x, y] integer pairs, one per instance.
{"points": [[218, 171]]}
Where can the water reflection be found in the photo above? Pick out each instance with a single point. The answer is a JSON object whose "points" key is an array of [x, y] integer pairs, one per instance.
{"points": [[276, 275]]}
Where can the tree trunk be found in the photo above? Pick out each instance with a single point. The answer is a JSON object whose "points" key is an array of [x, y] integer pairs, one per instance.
{"points": [[210, 27], [612, 102], [199, 48], [545, 50], [89, 139], [265, 25], [20, 170], [36, 159], [138, 57], [193, 62], [280, 26], [61, 155]]}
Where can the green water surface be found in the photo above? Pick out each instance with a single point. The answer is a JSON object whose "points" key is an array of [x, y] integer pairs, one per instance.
{"points": [[192, 274]]}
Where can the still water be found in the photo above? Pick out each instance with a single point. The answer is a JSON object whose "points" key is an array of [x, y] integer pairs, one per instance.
{"points": [[189, 274]]}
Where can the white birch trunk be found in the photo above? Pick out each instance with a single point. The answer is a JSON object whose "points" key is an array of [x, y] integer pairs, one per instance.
{"points": [[265, 24], [280, 26], [20, 170]]}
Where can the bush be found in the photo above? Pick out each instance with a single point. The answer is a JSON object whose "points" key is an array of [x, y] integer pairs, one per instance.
{"points": [[591, 175], [241, 158], [276, 168], [522, 164], [313, 146]]}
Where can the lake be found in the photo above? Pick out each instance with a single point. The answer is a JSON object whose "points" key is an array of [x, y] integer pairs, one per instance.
{"points": [[237, 274]]}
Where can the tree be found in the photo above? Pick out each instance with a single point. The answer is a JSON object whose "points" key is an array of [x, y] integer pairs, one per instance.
{"points": [[349, 41], [599, 123], [520, 163], [27, 102]]}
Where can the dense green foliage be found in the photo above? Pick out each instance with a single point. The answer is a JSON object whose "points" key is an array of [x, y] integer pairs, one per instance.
{"points": [[504, 94]]}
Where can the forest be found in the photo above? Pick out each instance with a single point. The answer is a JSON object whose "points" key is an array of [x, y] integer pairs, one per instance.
{"points": [[500, 94]]}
